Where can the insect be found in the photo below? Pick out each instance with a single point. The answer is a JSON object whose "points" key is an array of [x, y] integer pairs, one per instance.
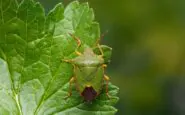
{"points": [[88, 71]]}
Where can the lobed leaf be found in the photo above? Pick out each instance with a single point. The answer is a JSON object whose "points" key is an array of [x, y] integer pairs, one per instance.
{"points": [[33, 79]]}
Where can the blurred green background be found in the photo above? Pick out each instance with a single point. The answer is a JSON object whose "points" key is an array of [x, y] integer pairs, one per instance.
{"points": [[148, 61]]}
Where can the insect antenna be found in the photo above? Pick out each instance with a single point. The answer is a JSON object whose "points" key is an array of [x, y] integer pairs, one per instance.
{"points": [[78, 41], [101, 37], [97, 43]]}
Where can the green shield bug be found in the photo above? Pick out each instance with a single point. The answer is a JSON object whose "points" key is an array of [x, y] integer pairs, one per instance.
{"points": [[89, 70]]}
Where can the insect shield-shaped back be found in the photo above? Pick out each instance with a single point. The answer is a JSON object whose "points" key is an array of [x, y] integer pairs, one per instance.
{"points": [[89, 69], [89, 74]]}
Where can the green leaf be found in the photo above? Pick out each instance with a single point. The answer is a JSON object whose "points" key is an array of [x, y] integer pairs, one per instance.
{"points": [[33, 79]]}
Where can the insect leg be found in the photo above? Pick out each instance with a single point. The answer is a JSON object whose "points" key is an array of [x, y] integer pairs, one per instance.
{"points": [[68, 61], [106, 78], [70, 87], [78, 41], [104, 65]]}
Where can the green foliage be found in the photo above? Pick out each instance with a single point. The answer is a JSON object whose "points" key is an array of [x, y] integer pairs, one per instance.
{"points": [[33, 79]]}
